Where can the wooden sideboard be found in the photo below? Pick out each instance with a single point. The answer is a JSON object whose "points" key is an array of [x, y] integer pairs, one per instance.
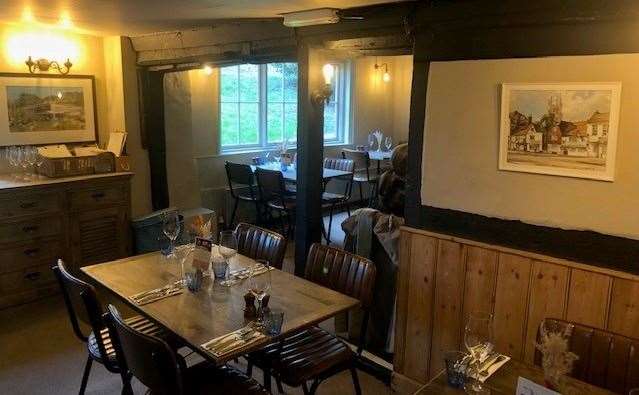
{"points": [[442, 279], [82, 220]]}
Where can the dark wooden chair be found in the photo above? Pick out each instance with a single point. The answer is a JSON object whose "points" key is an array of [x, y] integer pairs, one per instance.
{"points": [[332, 200], [242, 188], [362, 174], [276, 197], [606, 359], [260, 243], [84, 308], [163, 371], [314, 354]]}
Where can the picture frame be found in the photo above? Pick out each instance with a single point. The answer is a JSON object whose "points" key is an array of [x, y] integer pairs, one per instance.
{"points": [[562, 129], [39, 109]]}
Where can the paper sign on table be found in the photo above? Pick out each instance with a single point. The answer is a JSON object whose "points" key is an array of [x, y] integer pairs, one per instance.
{"points": [[527, 387], [202, 253]]}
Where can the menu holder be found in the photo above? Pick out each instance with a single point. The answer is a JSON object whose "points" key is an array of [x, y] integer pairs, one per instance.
{"points": [[202, 253]]}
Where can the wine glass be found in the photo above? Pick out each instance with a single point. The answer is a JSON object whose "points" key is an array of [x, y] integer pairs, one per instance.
{"points": [[388, 142], [478, 339], [227, 244], [259, 285], [371, 141], [171, 227], [39, 160], [31, 156]]}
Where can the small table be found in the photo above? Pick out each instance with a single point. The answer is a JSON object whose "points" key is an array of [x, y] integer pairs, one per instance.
{"points": [[290, 173], [216, 310], [379, 157], [504, 381]]}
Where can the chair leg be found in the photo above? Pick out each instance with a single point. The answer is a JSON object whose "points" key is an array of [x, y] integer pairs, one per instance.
{"points": [[278, 382], [249, 369], [361, 193], [330, 223], [314, 386], [267, 378], [85, 375], [258, 212], [237, 201], [126, 384], [358, 389], [305, 388], [348, 209]]}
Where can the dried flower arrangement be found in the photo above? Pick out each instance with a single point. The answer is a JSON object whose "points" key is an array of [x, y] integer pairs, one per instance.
{"points": [[556, 361]]}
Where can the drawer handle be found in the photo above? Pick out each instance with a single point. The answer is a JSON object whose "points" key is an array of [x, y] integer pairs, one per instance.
{"points": [[31, 252], [33, 276], [28, 205], [30, 229], [98, 195]]}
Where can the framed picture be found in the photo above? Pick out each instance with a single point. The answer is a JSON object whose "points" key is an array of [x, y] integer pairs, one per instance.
{"points": [[563, 129], [47, 109]]}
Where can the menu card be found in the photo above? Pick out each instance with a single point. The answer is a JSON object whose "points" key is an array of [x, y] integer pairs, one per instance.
{"points": [[527, 387], [202, 253]]}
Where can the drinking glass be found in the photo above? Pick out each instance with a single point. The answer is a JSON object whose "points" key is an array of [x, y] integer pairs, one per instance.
{"points": [[171, 227], [478, 339], [13, 154], [39, 160], [259, 285], [31, 156], [24, 161], [227, 244], [273, 322], [371, 141], [388, 142]]}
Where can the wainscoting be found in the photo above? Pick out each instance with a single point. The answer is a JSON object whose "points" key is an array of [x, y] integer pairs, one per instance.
{"points": [[442, 279]]}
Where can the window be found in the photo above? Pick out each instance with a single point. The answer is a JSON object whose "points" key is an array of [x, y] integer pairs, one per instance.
{"points": [[258, 106]]}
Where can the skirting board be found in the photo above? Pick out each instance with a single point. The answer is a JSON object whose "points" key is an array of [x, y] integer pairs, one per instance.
{"points": [[401, 384]]}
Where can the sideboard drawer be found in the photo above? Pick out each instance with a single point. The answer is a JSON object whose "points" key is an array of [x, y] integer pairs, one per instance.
{"points": [[27, 279], [29, 205], [29, 254], [29, 230], [97, 197]]}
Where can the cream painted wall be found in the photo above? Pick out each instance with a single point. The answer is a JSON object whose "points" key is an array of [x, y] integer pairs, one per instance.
{"points": [[192, 125], [460, 157]]}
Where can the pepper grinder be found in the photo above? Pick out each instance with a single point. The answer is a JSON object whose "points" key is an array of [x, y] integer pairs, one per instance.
{"points": [[265, 308], [249, 309]]}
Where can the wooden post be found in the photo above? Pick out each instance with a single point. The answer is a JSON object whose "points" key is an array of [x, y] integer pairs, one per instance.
{"points": [[153, 121], [310, 155]]}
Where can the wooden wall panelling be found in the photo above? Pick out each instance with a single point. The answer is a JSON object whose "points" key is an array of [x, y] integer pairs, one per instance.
{"points": [[447, 314], [548, 292], [511, 297], [403, 280], [588, 298], [419, 312], [479, 286], [623, 316]]}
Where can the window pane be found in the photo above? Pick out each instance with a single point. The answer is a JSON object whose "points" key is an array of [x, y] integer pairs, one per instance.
{"points": [[290, 82], [228, 84], [229, 124], [274, 123], [274, 82], [249, 123], [249, 80], [290, 121], [330, 121]]}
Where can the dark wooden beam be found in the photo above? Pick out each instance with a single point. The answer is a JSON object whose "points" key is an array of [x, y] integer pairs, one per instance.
{"points": [[310, 156]]}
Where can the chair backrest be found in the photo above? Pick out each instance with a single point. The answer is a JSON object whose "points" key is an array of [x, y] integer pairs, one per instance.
{"points": [[260, 243], [82, 305], [147, 357], [239, 174], [271, 185], [360, 159], [606, 359], [343, 165], [341, 271]]}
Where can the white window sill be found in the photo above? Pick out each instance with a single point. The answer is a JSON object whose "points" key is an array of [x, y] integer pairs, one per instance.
{"points": [[261, 151]]}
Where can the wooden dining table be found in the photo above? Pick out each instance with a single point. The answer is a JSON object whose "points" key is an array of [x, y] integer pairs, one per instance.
{"points": [[290, 173], [504, 382], [215, 310]]}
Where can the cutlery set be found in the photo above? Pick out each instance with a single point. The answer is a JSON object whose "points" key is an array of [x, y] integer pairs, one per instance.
{"points": [[153, 295], [237, 276], [233, 341]]}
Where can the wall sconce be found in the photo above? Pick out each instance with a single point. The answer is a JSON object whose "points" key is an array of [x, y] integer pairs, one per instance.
{"points": [[322, 95], [44, 65], [386, 76], [208, 70]]}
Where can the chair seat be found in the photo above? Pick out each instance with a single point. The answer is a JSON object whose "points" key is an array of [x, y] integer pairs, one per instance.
{"points": [[329, 197], [303, 356], [247, 197], [206, 378], [361, 177], [137, 322], [277, 204]]}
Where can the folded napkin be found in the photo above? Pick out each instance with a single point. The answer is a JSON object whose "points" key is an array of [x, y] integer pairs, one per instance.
{"points": [[231, 342], [491, 364], [153, 295]]}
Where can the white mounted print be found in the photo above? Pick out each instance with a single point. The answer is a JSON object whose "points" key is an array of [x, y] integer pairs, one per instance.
{"points": [[564, 129]]}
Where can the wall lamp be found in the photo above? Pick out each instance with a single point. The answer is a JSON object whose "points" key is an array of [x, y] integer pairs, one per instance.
{"points": [[322, 95], [44, 65], [386, 76]]}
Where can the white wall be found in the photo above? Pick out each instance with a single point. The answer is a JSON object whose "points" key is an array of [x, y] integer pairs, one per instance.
{"points": [[192, 124], [460, 157]]}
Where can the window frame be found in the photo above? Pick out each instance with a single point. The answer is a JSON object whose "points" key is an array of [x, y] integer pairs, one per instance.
{"points": [[343, 93]]}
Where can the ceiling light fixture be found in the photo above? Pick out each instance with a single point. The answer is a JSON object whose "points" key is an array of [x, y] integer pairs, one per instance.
{"points": [[319, 16]]}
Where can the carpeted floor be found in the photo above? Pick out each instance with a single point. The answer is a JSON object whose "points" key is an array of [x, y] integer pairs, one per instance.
{"points": [[40, 355]]}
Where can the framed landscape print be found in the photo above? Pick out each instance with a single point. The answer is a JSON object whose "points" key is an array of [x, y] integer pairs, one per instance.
{"points": [[46, 109], [564, 129]]}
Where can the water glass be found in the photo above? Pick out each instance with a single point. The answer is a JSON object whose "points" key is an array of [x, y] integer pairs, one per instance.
{"points": [[259, 285], [455, 368], [273, 321], [194, 280], [478, 339], [171, 227], [219, 266], [228, 244]]}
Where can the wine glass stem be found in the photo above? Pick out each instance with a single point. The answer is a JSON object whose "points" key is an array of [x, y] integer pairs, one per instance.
{"points": [[259, 309]]}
